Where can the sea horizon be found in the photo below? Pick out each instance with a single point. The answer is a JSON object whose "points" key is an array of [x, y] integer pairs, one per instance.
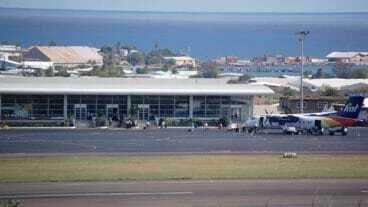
{"points": [[203, 35], [172, 11]]}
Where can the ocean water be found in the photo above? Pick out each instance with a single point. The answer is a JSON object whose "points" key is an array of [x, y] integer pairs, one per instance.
{"points": [[203, 35]]}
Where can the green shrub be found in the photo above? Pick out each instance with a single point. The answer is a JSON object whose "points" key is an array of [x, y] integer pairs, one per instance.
{"points": [[182, 122], [34, 124], [101, 121], [3, 125], [68, 123], [9, 203], [327, 90]]}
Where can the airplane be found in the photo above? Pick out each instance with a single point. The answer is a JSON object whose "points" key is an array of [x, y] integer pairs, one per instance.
{"points": [[312, 123]]}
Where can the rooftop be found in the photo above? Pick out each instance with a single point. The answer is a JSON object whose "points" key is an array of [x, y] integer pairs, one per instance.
{"points": [[126, 86], [337, 83], [179, 58], [9, 48], [287, 81], [345, 54], [70, 54]]}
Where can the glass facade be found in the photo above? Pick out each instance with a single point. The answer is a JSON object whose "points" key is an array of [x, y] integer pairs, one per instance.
{"points": [[85, 107], [160, 106], [32, 107], [212, 107], [107, 106]]}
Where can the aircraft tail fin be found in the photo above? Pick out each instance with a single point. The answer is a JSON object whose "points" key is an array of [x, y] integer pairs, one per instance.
{"points": [[352, 107]]}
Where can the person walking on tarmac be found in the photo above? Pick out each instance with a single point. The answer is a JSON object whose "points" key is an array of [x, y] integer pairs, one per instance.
{"points": [[205, 126]]}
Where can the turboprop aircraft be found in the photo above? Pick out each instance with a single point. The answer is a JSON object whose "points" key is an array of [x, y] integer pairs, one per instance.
{"points": [[313, 123]]}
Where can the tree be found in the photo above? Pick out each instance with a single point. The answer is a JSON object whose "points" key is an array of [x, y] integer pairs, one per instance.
{"points": [[165, 68], [210, 73], [142, 71], [167, 52], [209, 70], [128, 47], [106, 49], [321, 74], [136, 58], [62, 71], [39, 72], [318, 74], [156, 46], [156, 56], [327, 90], [118, 46], [49, 72], [108, 59], [343, 70], [327, 75], [15, 58], [288, 92], [175, 71], [245, 78], [153, 59], [361, 73], [171, 62], [346, 70], [107, 71]]}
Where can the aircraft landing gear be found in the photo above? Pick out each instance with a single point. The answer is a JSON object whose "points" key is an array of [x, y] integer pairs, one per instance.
{"points": [[344, 131]]}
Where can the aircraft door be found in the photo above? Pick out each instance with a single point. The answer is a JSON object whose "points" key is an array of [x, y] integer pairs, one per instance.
{"points": [[318, 124]]}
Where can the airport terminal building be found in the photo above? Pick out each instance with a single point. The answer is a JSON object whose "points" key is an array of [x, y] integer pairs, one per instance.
{"points": [[82, 99]]}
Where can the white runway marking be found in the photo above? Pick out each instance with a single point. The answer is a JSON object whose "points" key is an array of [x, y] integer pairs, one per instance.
{"points": [[63, 195]]}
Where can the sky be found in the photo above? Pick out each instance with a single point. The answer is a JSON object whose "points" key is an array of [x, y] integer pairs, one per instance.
{"points": [[196, 5]]}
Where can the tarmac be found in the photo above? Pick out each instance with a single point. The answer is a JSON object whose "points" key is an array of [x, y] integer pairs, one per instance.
{"points": [[177, 141], [276, 193]]}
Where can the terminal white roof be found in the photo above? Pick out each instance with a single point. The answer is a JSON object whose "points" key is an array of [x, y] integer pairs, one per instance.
{"points": [[126, 86]]}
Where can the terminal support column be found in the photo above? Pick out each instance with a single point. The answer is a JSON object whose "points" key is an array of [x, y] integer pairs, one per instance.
{"points": [[191, 107], [129, 105], [251, 106], [65, 107]]}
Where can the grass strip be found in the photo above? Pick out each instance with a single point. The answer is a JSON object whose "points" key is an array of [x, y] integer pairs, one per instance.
{"points": [[180, 167]]}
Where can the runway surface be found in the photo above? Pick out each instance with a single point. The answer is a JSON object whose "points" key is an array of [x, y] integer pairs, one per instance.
{"points": [[293, 193], [173, 141]]}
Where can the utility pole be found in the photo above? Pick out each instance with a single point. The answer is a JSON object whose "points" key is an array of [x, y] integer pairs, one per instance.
{"points": [[301, 36]]}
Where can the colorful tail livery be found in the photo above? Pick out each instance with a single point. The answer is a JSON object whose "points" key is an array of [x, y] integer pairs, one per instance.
{"points": [[352, 107], [347, 116]]}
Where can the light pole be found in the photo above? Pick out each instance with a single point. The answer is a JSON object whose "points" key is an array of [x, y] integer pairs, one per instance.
{"points": [[301, 35]]}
